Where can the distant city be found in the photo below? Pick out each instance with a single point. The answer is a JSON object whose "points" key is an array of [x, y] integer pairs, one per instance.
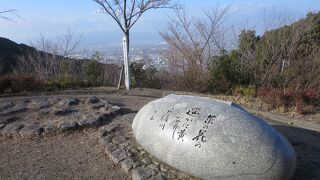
{"points": [[151, 55]]}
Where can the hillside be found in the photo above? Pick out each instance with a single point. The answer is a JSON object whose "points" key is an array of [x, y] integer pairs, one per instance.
{"points": [[279, 58], [35, 70], [9, 53]]}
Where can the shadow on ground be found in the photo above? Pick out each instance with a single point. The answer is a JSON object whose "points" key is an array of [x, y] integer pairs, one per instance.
{"points": [[307, 146]]}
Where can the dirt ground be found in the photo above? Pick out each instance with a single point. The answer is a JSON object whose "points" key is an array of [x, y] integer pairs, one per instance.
{"points": [[78, 155], [67, 156]]}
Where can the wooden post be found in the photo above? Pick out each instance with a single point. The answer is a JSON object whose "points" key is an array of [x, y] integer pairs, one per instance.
{"points": [[126, 63], [120, 78]]}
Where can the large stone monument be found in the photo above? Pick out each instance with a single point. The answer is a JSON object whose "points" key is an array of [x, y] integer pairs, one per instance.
{"points": [[213, 139]]}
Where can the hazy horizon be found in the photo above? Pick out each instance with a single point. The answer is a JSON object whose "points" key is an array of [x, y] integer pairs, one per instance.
{"points": [[51, 19]]}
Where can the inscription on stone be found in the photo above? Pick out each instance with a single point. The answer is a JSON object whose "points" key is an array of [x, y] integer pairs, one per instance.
{"points": [[181, 124], [212, 139]]}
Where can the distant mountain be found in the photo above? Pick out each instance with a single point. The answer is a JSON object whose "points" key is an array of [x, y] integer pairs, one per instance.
{"points": [[112, 39], [9, 54]]}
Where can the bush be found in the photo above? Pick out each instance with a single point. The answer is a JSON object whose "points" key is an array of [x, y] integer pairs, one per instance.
{"points": [[142, 76], [302, 101], [169, 81], [64, 83], [311, 97], [111, 74], [19, 83], [225, 74], [195, 80], [249, 91], [93, 73]]}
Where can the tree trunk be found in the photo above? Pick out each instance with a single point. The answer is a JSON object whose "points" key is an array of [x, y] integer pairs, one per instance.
{"points": [[126, 59]]}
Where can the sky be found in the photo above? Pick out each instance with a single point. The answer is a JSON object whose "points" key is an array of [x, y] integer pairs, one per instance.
{"points": [[53, 18]]}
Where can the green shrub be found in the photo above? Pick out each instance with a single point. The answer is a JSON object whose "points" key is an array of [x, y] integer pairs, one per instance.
{"points": [[225, 74], [93, 73], [249, 91], [64, 83], [52, 85], [278, 81], [142, 76]]}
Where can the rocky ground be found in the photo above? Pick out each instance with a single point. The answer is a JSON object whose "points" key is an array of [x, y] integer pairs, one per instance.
{"points": [[86, 134]]}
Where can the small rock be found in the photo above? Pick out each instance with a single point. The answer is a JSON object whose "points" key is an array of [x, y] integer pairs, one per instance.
{"points": [[92, 100], [40, 103], [119, 139], [54, 101], [105, 140], [140, 148], [72, 101], [115, 108], [172, 174], [31, 130], [2, 125], [26, 101], [182, 175], [15, 109], [110, 148], [129, 117], [8, 120], [3, 120], [158, 177], [106, 129], [63, 111], [49, 128], [104, 101], [5, 105], [142, 173], [67, 126], [119, 155], [12, 129], [97, 106], [164, 168], [154, 167], [128, 164], [142, 152], [43, 105], [146, 161], [104, 118], [44, 111], [86, 123], [133, 150], [124, 145], [99, 121], [156, 163]]}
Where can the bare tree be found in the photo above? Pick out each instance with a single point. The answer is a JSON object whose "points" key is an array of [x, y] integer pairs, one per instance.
{"points": [[46, 64], [64, 45], [69, 42], [126, 13], [193, 42]]}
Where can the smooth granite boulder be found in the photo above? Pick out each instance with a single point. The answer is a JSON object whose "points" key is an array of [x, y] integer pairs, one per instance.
{"points": [[213, 139]]}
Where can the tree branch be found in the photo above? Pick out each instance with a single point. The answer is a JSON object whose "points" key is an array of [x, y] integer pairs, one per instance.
{"points": [[132, 10], [11, 11]]}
